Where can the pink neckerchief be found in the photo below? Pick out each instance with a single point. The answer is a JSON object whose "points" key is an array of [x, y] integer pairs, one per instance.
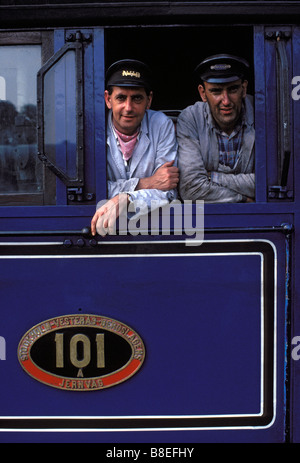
{"points": [[127, 143]]}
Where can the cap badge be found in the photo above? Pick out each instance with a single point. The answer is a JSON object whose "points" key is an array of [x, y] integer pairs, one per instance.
{"points": [[220, 67], [131, 74]]}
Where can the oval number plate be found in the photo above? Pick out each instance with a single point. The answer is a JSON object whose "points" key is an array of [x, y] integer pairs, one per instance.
{"points": [[81, 352]]}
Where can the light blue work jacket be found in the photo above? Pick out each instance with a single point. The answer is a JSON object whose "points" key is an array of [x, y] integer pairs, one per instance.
{"points": [[156, 145]]}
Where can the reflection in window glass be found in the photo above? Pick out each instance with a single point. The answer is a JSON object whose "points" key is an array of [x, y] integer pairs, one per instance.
{"points": [[20, 170]]}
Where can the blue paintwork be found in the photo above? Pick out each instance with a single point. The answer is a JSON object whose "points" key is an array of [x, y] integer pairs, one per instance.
{"points": [[190, 354]]}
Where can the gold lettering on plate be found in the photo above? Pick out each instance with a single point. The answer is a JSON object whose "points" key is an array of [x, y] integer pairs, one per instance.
{"points": [[77, 384]]}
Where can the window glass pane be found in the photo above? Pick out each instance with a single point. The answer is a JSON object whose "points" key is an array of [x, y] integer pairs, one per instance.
{"points": [[20, 169], [60, 114]]}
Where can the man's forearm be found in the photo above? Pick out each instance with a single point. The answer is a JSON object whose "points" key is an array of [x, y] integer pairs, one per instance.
{"points": [[164, 178], [145, 184], [243, 184]]}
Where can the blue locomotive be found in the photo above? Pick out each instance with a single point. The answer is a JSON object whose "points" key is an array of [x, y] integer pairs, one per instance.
{"points": [[141, 336]]}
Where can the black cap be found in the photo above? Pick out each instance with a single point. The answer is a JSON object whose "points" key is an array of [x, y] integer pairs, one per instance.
{"points": [[129, 73], [222, 68]]}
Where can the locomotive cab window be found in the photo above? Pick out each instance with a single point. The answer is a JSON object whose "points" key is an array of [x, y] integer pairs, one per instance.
{"points": [[21, 55], [225, 152], [46, 109], [259, 155]]}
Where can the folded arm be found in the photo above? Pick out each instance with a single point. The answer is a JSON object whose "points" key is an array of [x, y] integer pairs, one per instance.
{"points": [[241, 183], [196, 182]]}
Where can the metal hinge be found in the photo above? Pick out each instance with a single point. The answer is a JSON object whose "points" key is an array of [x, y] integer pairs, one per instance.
{"points": [[79, 36]]}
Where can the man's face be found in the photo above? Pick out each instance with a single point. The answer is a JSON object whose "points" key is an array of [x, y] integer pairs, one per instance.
{"points": [[128, 107], [225, 102]]}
